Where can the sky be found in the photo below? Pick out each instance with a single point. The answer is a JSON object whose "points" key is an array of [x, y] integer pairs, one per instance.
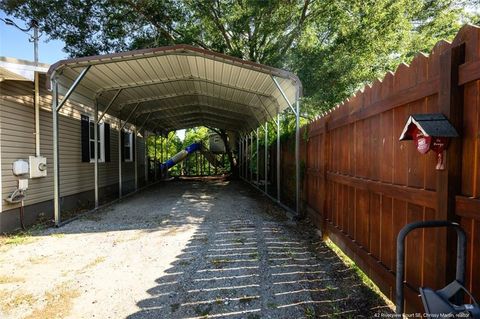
{"points": [[15, 44]]}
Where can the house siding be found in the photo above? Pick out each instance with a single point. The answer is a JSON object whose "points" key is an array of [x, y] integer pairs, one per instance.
{"points": [[17, 139]]}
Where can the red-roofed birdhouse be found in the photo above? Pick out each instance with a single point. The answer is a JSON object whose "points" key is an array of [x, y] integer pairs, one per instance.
{"points": [[429, 132]]}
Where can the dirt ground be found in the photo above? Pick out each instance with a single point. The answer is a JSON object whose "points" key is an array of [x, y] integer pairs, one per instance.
{"points": [[197, 249]]}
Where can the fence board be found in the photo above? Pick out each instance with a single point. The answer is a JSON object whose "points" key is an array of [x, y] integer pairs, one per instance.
{"points": [[362, 185]]}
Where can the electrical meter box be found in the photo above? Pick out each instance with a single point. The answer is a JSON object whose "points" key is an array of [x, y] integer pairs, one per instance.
{"points": [[20, 167], [38, 166]]}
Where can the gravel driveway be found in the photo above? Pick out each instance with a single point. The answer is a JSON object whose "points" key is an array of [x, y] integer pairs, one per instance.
{"points": [[197, 249]]}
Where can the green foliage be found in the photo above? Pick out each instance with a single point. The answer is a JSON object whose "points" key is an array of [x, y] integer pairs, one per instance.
{"points": [[335, 46], [357, 41]]}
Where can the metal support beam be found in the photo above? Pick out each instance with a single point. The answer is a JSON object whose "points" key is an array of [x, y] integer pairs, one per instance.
{"points": [[145, 157], [120, 150], [155, 159], [96, 154], [109, 105], [56, 107], [144, 122], [251, 156], [72, 88], [297, 152], [240, 155], [135, 156], [283, 94], [56, 164], [278, 157], [245, 149], [246, 157], [130, 115], [266, 158], [258, 174]]}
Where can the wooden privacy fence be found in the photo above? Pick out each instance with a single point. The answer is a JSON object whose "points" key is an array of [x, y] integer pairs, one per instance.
{"points": [[361, 185]]}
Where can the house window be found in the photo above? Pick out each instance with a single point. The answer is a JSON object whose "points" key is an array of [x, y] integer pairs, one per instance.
{"points": [[101, 142], [128, 147], [88, 140]]}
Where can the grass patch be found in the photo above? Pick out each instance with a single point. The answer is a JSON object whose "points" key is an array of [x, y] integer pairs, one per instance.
{"points": [[10, 279], [174, 307], [203, 311], [272, 305], [240, 240], [58, 235], [10, 301], [57, 303], [309, 312], [352, 265], [92, 216], [92, 264], [255, 256], [219, 263], [22, 237], [218, 300], [247, 299]]}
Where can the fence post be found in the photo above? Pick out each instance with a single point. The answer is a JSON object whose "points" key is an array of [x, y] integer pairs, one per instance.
{"points": [[448, 183], [323, 177]]}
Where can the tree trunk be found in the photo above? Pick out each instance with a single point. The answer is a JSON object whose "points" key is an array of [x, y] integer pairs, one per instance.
{"points": [[233, 165]]}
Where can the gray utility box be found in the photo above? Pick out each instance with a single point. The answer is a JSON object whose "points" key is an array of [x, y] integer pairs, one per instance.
{"points": [[38, 166]]}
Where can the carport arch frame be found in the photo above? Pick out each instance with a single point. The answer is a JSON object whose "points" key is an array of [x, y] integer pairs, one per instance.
{"points": [[87, 63]]}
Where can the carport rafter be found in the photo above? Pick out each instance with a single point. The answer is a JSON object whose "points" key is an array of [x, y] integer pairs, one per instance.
{"points": [[199, 114], [186, 79], [230, 116], [194, 94]]}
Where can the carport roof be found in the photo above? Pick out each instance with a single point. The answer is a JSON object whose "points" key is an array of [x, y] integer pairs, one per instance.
{"points": [[170, 88]]}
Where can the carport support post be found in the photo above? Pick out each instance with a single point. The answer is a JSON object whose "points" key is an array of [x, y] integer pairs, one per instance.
{"points": [[95, 136], [56, 107], [145, 158], [266, 158], [246, 157], [239, 158], [56, 171], [251, 156], [258, 175], [297, 152], [135, 157], [120, 148], [278, 158], [155, 159]]}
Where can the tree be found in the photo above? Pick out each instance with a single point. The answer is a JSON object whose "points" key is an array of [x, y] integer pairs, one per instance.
{"points": [[224, 136], [357, 41], [335, 46], [260, 31]]}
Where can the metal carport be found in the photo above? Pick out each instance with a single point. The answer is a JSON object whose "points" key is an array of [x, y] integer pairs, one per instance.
{"points": [[171, 88]]}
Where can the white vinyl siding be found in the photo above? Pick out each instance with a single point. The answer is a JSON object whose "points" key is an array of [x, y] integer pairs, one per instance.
{"points": [[17, 139]]}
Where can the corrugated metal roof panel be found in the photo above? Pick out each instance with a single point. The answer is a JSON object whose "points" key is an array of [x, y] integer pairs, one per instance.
{"points": [[181, 86]]}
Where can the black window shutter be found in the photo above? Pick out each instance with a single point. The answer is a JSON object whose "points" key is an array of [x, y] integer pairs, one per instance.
{"points": [[122, 144], [106, 135], [85, 125], [133, 146]]}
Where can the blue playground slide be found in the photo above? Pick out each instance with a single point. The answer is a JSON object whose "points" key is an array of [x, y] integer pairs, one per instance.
{"points": [[180, 156], [189, 150]]}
